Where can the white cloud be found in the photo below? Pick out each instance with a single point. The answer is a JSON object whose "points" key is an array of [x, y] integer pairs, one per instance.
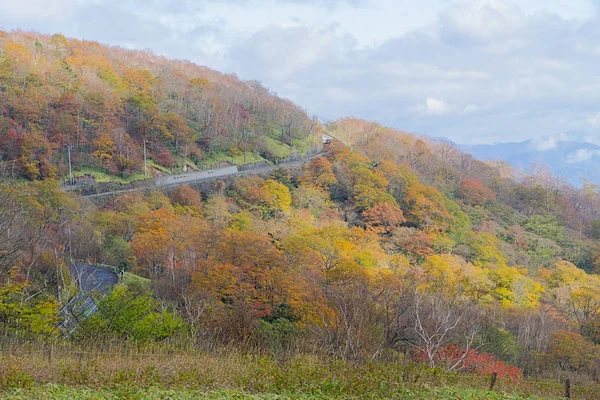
{"points": [[593, 120], [432, 106], [582, 155], [282, 51], [35, 11], [435, 106], [472, 109], [481, 21], [340, 94], [547, 143], [431, 72]]}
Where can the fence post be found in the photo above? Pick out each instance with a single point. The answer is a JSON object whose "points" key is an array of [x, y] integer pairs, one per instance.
{"points": [[50, 353], [567, 388], [493, 380]]}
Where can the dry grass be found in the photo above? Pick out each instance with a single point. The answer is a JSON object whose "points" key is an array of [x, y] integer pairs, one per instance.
{"points": [[206, 372]]}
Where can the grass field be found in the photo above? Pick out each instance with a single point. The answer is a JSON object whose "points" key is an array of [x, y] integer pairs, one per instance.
{"points": [[104, 177], [53, 392], [164, 373]]}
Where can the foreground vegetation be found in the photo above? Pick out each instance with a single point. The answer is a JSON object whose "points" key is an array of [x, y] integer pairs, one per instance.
{"points": [[63, 393], [232, 375]]}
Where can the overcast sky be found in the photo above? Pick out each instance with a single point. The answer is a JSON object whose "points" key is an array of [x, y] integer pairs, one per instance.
{"points": [[478, 71]]}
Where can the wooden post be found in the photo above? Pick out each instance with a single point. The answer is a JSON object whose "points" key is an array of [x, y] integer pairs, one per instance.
{"points": [[567, 388], [493, 380], [50, 353]]}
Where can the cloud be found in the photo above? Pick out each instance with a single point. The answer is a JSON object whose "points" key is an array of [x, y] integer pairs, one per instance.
{"points": [[282, 52], [523, 70], [127, 28], [480, 21], [35, 11], [547, 143], [472, 109], [341, 95], [432, 106], [327, 3], [593, 120], [582, 155]]}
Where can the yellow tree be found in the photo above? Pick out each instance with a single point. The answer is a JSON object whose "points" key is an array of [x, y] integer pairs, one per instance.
{"points": [[105, 149], [577, 294]]}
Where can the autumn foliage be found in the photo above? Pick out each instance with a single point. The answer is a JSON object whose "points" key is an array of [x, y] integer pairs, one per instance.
{"points": [[383, 218], [113, 106], [474, 191], [475, 362], [386, 245]]}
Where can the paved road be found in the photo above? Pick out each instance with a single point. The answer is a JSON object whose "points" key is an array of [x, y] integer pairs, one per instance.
{"points": [[195, 176], [93, 279], [97, 281], [93, 282], [174, 180]]}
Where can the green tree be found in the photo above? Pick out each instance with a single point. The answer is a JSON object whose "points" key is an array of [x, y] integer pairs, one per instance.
{"points": [[124, 315], [25, 316]]}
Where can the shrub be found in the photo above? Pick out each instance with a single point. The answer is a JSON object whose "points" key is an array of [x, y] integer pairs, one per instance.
{"points": [[475, 362]]}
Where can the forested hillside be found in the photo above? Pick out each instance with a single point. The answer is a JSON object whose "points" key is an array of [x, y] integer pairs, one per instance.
{"points": [[106, 102], [390, 248]]}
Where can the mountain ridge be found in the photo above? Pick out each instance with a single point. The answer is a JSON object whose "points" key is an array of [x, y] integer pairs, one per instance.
{"points": [[575, 161]]}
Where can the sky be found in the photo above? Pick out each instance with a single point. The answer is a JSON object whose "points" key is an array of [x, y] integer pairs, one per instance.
{"points": [[477, 71]]}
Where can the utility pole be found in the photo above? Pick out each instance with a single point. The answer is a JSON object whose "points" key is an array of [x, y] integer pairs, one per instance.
{"points": [[145, 160], [69, 147], [245, 133]]}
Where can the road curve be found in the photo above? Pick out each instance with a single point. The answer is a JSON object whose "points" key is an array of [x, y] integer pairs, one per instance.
{"points": [[176, 180], [93, 282]]}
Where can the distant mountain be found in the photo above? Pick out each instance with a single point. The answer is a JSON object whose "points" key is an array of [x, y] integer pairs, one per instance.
{"points": [[573, 160]]}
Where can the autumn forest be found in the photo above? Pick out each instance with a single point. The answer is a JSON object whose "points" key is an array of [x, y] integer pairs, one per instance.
{"points": [[388, 248]]}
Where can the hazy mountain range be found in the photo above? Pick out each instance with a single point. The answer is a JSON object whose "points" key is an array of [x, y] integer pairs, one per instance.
{"points": [[572, 160]]}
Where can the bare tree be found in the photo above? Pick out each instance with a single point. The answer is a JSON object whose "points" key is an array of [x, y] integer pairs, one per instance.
{"points": [[440, 321]]}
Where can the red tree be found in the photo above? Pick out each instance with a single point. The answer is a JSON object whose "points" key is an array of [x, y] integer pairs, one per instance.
{"points": [[473, 191]]}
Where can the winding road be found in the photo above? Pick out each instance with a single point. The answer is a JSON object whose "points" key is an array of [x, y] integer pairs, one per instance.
{"points": [[93, 282], [191, 177], [97, 281]]}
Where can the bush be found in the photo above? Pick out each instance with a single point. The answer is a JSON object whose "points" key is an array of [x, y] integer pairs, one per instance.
{"points": [[476, 362], [124, 315]]}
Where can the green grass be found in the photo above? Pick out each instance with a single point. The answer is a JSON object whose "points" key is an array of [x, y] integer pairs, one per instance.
{"points": [[303, 145], [104, 177], [164, 371], [16, 181], [188, 162], [153, 165], [61, 392], [130, 279], [278, 149], [238, 159]]}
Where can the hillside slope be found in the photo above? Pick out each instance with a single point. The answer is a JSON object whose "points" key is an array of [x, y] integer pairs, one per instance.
{"points": [[109, 104], [361, 257]]}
